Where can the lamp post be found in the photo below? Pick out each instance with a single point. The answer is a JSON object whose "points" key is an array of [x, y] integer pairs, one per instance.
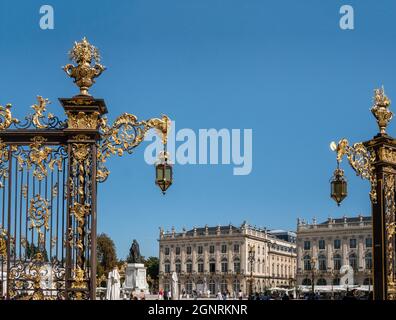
{"points": [[375, 160], [251, 258]]}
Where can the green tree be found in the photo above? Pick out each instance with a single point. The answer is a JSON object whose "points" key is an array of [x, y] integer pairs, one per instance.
{"points": [[106, 254], [152, 265]]}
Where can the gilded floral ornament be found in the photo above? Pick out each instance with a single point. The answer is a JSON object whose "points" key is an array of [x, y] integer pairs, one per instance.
{"points": [[380, 109], [83, 53], [6, 119]]}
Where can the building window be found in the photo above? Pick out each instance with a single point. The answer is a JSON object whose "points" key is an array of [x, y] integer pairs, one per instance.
{"points": [[236, 248], [337, 244], [189, 287], [200, 266], [236, 286], [166, 286], [200, 249], [321, 282], [224, 265], [177, 251], [322, 263], [321, 244], [212, 266], [367, 282], [353, 261], [211, 249], [177, 266], [306, 282], [368, 261], [223, 248], [336, 281], [223, 286], [369, 243], [212, 287], [337, 262], [237, 266], [167, 251], [307, 245], [352, 243], [189, 266], [188, 250], [167, 267], [307, 263]]}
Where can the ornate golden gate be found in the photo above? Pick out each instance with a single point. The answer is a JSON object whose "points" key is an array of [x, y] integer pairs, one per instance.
{"points": [[49, 170]]}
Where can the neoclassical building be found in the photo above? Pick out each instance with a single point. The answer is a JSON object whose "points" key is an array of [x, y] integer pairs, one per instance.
{"points": [[322, 248], [216, 258]]}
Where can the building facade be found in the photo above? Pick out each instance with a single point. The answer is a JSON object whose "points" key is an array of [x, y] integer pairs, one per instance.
{"points": [[217, 259], [322, 249]]}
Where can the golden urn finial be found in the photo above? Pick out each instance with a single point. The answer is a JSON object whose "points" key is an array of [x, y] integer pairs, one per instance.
{"points": [[84, 73], [380, 109]]}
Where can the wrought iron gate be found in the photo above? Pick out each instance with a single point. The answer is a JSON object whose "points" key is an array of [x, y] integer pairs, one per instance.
{"points": [[48, 207], [49, 171]]}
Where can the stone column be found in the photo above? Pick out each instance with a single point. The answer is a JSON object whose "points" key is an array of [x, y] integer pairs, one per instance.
{"points": [[361, 253], [161, 259], [183, 258], [172, 259], [344, 251], [244, 249], [230, 254], [330, 262], [206, 257], [217, 251], [194, 258], [300, 257]]}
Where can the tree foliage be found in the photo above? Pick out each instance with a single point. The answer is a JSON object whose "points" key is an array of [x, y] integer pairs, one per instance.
{"points": [[152, 265], [106, 254]]}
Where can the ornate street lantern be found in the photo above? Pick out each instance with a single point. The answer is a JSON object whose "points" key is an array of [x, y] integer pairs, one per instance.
{"points": [[338, 186], [163, 173]]}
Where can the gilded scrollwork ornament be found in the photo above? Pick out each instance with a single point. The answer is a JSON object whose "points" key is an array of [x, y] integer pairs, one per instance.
{"points": [[125, 135], [79, 282], [3, 243], [39, 211], [6, 119], [39, 110], [38, 156], [361, 160], [3, 163], [390, 227], [82, 120]]}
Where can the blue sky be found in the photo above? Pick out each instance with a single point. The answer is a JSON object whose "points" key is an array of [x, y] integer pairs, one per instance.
{"points": [[282, 68]]}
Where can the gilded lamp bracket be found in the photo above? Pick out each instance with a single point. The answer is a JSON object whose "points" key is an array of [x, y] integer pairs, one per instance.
{"points": [[124, 135], [361, 160]]}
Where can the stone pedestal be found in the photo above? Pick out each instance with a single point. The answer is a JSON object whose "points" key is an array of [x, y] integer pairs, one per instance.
{"points": [[135, 278]]}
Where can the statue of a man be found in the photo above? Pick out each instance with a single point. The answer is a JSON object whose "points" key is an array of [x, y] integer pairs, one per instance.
{"points": [[134, 253]]}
